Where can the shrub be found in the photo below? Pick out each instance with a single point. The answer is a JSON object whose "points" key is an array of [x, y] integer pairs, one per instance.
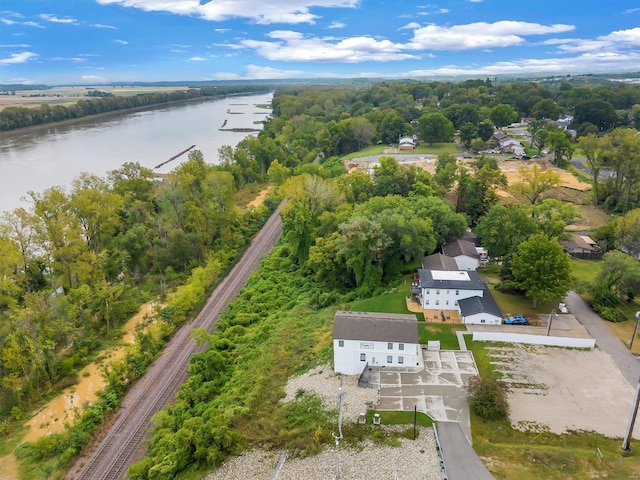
{"points": [[488, 398]]}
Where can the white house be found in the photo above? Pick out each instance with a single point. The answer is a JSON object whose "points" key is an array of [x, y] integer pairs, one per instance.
{"points": [[463, 252], [441, 290], [365, 339], [406, 143], [461, 291], [480, 310]]}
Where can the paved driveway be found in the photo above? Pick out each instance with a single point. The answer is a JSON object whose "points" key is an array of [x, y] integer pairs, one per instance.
{"points": [[437, 390]]}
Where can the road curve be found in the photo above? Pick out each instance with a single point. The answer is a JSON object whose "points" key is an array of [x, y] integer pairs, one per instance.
{"points": [[151, 393]]}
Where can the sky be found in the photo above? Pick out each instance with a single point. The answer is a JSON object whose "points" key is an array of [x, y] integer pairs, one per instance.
{"points": [[93, 42]]}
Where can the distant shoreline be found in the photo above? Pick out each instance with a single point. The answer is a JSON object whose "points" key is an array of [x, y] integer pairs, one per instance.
{"points": [[72, 121]]}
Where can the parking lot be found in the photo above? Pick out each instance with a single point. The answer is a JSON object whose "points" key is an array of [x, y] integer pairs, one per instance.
{"points": [[437, 390]]}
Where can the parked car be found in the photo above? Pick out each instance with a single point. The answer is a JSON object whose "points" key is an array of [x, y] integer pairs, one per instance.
{"points": [[515, 320]]}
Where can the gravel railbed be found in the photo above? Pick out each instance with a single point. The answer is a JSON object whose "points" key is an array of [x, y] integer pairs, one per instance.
{"points": [[412, 460]]}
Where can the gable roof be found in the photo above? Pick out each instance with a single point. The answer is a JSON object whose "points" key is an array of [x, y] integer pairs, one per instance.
{"points": [[484, 304], [438, 261], [376, 327], [458, 247], [473, 283]]}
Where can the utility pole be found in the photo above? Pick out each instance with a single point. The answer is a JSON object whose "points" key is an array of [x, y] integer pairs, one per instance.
{"points": [[626, 442], [553, 312], [635, 331], [338, 437]]}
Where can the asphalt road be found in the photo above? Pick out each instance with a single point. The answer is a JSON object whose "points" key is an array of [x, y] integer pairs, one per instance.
{"points": [[628, 363], [460, 460]]}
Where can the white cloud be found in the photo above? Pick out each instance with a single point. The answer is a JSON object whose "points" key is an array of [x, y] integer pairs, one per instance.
{"points": [[94, 79], [18, 58], [100, 25], [55, 19], [222, 30], [7, 21], [257, 72], [588, 62], [479, 35], [273, 11], [335, 25], [197, 59], [33, 24], [614, 41], [15, 45], [121, 42], [410, 26], [290, 46]]}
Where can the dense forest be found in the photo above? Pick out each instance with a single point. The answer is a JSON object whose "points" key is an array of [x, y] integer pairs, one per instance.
{"points": [[102, 102], [78, 262]]}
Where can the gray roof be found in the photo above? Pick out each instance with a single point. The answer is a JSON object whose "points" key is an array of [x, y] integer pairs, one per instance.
{"points": [[484, 304], [474, 282], [375, 327], [458, 247], [438, 261]]}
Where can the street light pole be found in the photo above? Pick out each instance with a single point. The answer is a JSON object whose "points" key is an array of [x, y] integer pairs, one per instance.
{"points": [[553, 312], [635, 330], [626, 441]]}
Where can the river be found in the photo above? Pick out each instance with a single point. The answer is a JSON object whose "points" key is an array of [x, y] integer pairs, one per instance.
{"points": [[38, 158]]}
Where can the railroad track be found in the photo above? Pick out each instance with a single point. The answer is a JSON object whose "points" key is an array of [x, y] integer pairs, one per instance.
{"points": [[151, 393]]}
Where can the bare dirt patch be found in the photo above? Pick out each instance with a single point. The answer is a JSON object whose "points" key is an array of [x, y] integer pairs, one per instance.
{"points": [[561, 390], [64, 407], [256, 202]]}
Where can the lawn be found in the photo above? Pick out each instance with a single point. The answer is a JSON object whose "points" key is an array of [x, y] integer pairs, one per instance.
{"points": [[585, 270]]}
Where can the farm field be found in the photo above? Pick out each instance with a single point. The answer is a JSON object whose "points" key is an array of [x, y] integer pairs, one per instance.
{"points": [[70, 95]]}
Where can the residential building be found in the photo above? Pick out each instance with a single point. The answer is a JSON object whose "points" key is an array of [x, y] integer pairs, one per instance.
{"points": [[464, 252], [366, 339]]}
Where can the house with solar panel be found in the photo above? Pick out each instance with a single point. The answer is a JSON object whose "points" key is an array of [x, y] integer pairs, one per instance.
{"points": [[461, 291]]}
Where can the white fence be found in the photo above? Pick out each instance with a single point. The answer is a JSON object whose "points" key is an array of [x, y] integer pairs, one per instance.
{"points": [[534, 339]]}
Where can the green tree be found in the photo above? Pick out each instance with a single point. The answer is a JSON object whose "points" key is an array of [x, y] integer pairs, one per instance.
{"points": [[488, 398], [446, 171], [592, 149], [620, 275], [485, 130], [541, 268], [435, 127], [546, 108], [627, 232], [503, 228], [534, 183], [468, 132], [502, 115], [559, 144]]}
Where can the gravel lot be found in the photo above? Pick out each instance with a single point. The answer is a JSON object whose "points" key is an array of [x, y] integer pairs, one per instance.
{"points": [[560, 389], [413, 460]]}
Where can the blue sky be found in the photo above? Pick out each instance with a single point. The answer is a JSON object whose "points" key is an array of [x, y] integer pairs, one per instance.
{"points": [[92, 41]]}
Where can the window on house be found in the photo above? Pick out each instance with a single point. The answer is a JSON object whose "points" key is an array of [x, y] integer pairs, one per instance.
{"points": [[427, 292], [341, 343], [363, 357], [447, 292], [400, 359], [437, 302], [437, 292], [389, 346], [457, 292], [389, 358], [447, 302], [482, 321], [401, 346], [426, 302]]}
